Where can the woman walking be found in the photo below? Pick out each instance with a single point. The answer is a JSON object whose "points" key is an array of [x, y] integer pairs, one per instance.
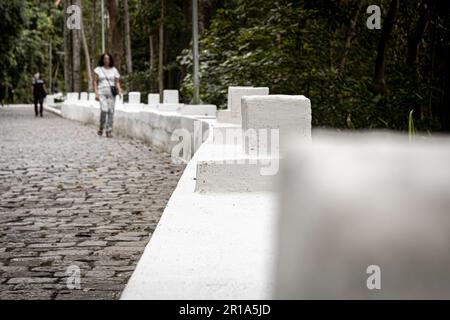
{"points": [[106, 87]]}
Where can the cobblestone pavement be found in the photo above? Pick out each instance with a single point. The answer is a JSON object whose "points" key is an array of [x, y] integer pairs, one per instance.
{"points": [[69, 197]]}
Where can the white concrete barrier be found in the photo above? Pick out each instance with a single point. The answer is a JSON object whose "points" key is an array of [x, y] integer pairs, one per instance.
{"points": [[233, 113], [170, 101], [365, 216], [208, 246], [91, 97], [72, 96], [206, 110], [288, 114], [252, 152], [83, 96], [134, 97], [148, 125], [171, 97], [50, 99], [153, 99]]}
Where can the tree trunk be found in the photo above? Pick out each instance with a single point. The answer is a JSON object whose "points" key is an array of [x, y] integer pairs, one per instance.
{"points": [[349, 37], [76, 56], [127, 37], [152, 58], [116, 32], [412, 57], [87, 57], [416, 37], [161, 52], [68, 78], [379, 82], [94, 33]]}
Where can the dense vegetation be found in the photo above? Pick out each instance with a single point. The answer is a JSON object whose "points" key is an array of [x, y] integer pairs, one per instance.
{"points": [[355, 77]]}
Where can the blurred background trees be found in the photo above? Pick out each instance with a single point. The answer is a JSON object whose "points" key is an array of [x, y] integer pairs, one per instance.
{"points": [[354, 76]]}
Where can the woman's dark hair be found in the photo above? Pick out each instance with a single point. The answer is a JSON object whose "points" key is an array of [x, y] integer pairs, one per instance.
{"points": [[101, 62]]}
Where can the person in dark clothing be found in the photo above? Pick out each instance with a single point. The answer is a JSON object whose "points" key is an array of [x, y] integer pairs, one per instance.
{"points": [[2, 93], [38, 94], [10, 96]]}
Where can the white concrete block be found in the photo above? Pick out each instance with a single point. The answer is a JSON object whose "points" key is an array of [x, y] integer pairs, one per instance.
{"points": [[207, 110], [50, 99], [72, 96], [91, 97], [224, 116], [288, 114], [227, 133], [239, 175], [361, 200], [171, 97], [234, 99], [134, 97], [171, 107], [153, 99], [83, 96]]}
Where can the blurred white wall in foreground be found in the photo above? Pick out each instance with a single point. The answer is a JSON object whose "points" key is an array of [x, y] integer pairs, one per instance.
{"points": [[351, 201]]}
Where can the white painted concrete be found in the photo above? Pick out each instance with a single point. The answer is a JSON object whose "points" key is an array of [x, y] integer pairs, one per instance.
{"points": [[191, 257], [218, 163], [288, 114], [234, 102], [171, 97], [226, 133], [258, 166], [72, 96], [134, 97], [224, 116], [136, 121], [83, 96], [50, 99], [168, 107], [91, 97], [153, 99], [351, 201], [206, 110]]}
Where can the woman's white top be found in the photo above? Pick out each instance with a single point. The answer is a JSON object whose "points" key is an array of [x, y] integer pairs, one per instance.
{"points": [[105, 75]]}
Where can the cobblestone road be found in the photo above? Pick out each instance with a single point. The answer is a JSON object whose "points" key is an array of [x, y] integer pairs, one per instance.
{"points": [[69, 197]]}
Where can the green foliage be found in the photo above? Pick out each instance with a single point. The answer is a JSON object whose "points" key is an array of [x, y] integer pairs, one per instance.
{"points": [[27, 28], [294, 47]]}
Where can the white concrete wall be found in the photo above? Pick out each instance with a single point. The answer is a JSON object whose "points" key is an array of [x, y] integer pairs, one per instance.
{"points": [[352, 201], [288, 114], [153, 99], [233, 112], [151, 126], [134, 97], [83, 96], [171, 96], [72, 96]]}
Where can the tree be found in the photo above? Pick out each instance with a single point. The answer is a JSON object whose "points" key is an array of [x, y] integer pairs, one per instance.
{"points": [[161, 51], [76, 59], [127, 36], [86, 55], [116, 32], [68, 71], [379, 81]]}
